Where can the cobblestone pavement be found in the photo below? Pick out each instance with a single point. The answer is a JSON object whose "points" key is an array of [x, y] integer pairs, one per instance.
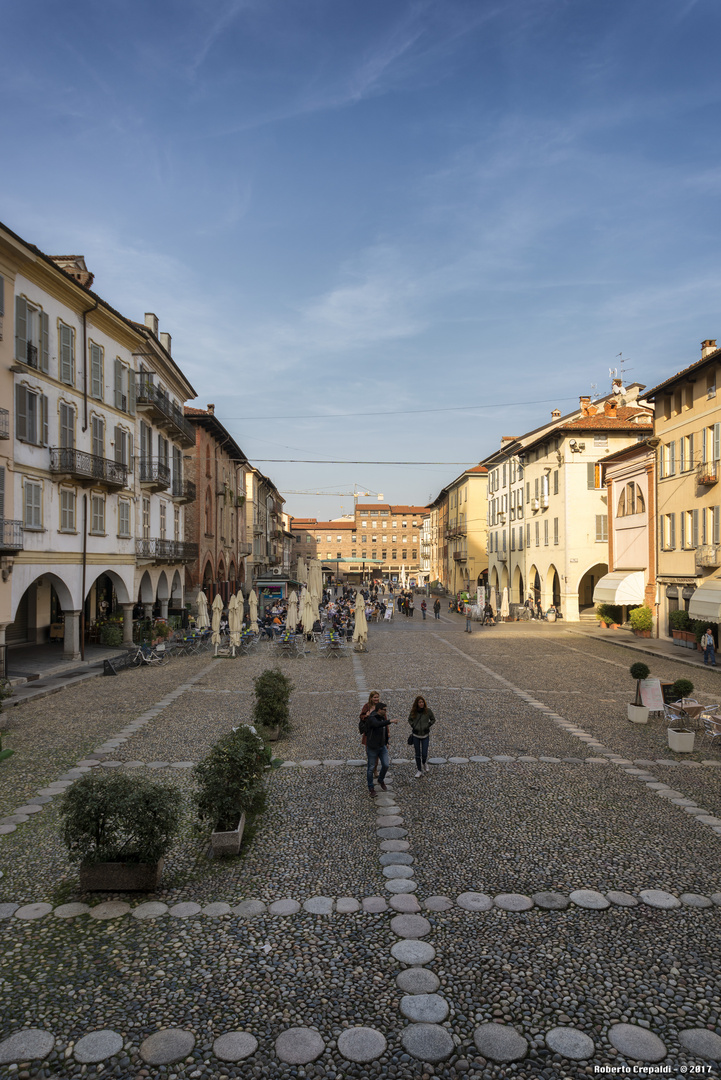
{"points": [[545, 902]]}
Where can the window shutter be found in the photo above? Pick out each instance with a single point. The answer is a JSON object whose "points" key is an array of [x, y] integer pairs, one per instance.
{"points": [[118, 385], [672, 458], [716, 525], [694, 528], [590, 475], [672, 530], [96, 371], [44, 420], [131, 391], [66, 354], [716, 442], [2, 493], [21, 329], [44, 341], [2, 296], [119, 445], [21, 414]]}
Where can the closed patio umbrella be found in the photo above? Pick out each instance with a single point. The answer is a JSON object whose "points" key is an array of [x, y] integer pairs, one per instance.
{"points": [[291, 619], [360, 633], [201, 620], [493, 602], [302, 572], [235, 618], [253, 604], [306, 612], [217, 612], [505, 607]]}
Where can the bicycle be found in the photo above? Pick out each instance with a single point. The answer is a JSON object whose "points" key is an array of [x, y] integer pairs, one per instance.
{"points": [[149, 654]]}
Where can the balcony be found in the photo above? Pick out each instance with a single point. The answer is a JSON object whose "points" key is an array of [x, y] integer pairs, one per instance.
{"points": [[460, 556], [162, 551], [183, 490], [152, 400], [4, 424], [502, 556], [30, 359], [154, 474], [11, 535], [244, 548], [69, 463], [535, 503], [708, 555], [707, 473]]}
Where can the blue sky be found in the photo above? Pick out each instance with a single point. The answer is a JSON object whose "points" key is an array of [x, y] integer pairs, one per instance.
{"points": [[388, 210]]}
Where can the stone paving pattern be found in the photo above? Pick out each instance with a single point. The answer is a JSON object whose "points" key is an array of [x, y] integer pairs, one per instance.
{"points": [[204, 984]]}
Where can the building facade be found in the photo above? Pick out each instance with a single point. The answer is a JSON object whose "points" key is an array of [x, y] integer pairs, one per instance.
{"points": [[458, 532]]}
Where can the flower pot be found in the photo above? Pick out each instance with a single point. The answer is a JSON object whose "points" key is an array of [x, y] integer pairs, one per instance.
{"points": [[271, 734], [228, 843], [638, 714], [615, 626], [120, 877], [642, 633], [681, 742]]}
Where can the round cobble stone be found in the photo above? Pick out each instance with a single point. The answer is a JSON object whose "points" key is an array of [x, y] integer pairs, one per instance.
{"points": [[235, 1046], [390, 822], [347, 905], [513, 902], [361, 1044], [424, 1008], [30, 1044], [590, 899], [216, 910], [299, 1046], [659, 898], [8, 910], [438, 903], [97, 1046], [110, 909], [401, 885], [636, 1042], [395, 845], [375, 904], [166, 1046], [702, 1042], [248, 909], [500, 1043], [689, 899], [474, 901], [427, 1042], [570, 1042], [319, 905], [410, 926], [186, 909], [418, 980], [396, 858], [153, 909], [413, 953], [392, 833], [33, 911], [551, 901], [284, 907], [70, 911], [406, 903], [396, 870], [622, 899]]}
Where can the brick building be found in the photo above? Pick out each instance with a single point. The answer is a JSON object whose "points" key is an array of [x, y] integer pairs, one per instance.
{"points": [[379, 540], [216, 521]]}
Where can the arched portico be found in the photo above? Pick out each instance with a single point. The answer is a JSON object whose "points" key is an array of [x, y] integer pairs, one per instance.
{"points": [[584, 594], [517, 590], [41, 599], [504, 578], [534, 583], [553, 588]]}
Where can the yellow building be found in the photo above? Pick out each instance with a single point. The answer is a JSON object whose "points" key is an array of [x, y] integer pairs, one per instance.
{"points": [[688, 427], [459, 532]]}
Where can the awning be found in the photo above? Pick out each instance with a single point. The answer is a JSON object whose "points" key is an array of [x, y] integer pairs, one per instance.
{"points": [[706, 602], [622, 587]]}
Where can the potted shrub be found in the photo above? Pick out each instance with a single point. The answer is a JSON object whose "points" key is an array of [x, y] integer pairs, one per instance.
{"points": [[230, 785], [681, 739], [118, 828], [608, 615], [637, 711], [271, 710], [641, 619], [681, 632]]}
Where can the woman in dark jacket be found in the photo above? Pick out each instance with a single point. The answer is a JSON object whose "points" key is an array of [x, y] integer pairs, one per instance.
{"points": [[421, 720], [377, 745]]}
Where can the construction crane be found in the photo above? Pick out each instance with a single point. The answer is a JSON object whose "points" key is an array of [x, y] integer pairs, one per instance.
{"points": [[356, 494]]}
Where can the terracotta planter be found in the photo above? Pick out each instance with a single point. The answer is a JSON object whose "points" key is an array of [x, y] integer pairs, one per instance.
{"points": [[228, 843], [642, 633], [615, 626], [681, 742], [121, 877]]}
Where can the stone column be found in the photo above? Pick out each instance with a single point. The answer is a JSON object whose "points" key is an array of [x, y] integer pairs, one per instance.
{"points": [[148, 610], [163, 609], [71, 643], [128, 624], [3, 651]]}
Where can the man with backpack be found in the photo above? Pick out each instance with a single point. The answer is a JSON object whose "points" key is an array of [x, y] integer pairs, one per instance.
{"points": [[376, 733]]}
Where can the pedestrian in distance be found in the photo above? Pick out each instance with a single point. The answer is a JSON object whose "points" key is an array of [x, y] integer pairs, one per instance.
{"points": [[468, 629], [424, 608], [421, 719], [437, 608], [707, 644], [411, 607], [376, 731], [488, 614]]}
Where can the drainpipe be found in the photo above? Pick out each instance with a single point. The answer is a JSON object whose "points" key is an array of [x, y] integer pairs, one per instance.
{"points": [[85, 560], [85, 378]]}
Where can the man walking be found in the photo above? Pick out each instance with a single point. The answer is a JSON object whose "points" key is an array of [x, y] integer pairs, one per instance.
{"points": [[424, 608], [707, 644], [377, 723]]}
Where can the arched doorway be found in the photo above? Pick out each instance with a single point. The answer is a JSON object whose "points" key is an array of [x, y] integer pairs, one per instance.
{"points": [[534, 583], [208, 582], [587, 584], [518, 596], [553, 587], [504, 578], [494, 579]]}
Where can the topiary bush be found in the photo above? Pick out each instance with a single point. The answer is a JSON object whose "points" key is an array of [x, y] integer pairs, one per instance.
{"points": [[641, 618], [230, 778], [682, 688], [272, 700], [111, 817], [111, 635], [639, 671], [608, 613]]}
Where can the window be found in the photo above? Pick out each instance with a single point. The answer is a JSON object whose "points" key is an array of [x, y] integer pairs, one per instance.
{"points": [[67, 426], [528, 535], [555, 531], [404, 525], [329, 538], [163, 521], [711, 384], [414, 553], [146, 518], [96, 371], [31, 416], [384, 524], [669, 532], [67, 510], [513, 539], [519, 501], [630, 501], [123, 517], [308, 538], [97, 425], [593, 475], [668, 459], [124, 387], [555, 481], [97, 524], [693, 528], [545, 532], [31, 334], [208, 470], [364, 539], [354, 538], [520, 538], [66, 350], [394, 554], [353, 554], [601, 528], [339, 554], [538, 534], [374, 554], [404, 554], [716, 535], [535, 488], [32, 513], [364, 554], [600, 440], [163, 452]]}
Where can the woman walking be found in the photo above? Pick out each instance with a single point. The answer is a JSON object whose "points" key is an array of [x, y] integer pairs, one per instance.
{"points": [[368, 708], [421, 720]]}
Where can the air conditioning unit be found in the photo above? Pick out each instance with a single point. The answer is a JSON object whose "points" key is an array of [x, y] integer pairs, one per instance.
{"points": [[502, 517], [276, 571], [544, 502], [535, 504]]}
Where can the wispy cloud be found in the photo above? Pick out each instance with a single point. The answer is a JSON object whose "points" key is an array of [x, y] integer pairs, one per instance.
{"points": [[217, 27]]}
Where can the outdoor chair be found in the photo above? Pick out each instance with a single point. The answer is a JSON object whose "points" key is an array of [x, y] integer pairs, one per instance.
{"points": [[712, 726]]}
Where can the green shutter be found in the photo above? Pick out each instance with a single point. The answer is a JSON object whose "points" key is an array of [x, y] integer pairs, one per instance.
{"points": [[21, 414], [43, 420], [118, 384], [96, 371], [66, 354], [131, 391], [21, 329], [716, 442], [44, 341]]}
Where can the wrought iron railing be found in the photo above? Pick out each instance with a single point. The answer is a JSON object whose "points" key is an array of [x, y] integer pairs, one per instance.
{"points": [[153, 471], [707, 473], [147, 393], [166, 550], [84, 466], [11, 535], [183, 489]]}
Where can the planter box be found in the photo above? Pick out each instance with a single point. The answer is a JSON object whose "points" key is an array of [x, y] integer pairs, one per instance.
{"points": [[121, 877], [271, 734], [642, 633], [681, 742], [638, 714], [228, 843]]}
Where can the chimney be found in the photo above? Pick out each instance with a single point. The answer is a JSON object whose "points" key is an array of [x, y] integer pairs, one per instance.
{"points": [[610, 407], [75, 266], [708, 346], [165, 341], [584, 403], [211, 409], [151, 321], [555, 414]]}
